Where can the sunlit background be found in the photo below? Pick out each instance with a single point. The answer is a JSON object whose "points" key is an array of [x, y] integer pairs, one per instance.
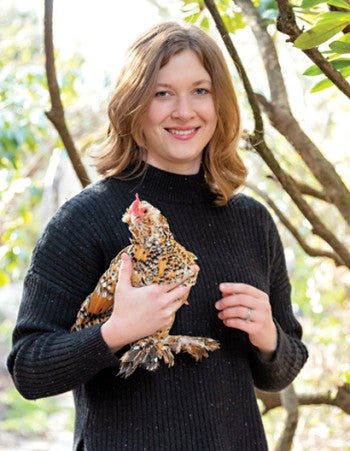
{"points": [[91, 38]]}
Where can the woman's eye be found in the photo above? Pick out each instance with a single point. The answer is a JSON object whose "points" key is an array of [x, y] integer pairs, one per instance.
{"points": [[201, 91], [161, 94]]}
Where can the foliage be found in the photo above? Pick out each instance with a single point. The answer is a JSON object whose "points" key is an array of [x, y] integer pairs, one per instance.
{"points": [[320, 291], [25, 144], [196, 13], [326, 25], [26, 415]]}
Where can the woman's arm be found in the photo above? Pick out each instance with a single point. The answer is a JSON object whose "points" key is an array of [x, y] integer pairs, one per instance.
{"points": [[277, 353], [47, 358]]}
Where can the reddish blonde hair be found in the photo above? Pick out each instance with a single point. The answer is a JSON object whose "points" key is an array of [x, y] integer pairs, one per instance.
{"points": [[124, 147]]}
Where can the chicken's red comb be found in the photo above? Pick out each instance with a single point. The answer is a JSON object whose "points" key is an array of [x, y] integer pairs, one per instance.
{"points": [[135, 206]]}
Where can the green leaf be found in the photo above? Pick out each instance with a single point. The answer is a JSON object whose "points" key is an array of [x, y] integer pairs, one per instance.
{"points": [[320, 33], [205, 23], [339, 3], [321, 85], [307, 4], [312, 71], [4, 278], [338, 64], [334, 16], [233, 23], [340, 47], [326, 83]]}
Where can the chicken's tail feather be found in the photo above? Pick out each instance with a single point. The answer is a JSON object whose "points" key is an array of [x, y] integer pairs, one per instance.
{"points": [[148, 352], [145, 353], [197, 347]]}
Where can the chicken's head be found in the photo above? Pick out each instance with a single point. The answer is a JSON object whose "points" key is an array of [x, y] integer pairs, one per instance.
{"points": [[144, 220]]}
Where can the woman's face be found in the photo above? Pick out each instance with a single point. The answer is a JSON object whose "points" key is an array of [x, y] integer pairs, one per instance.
{"points": [[181, 118]]}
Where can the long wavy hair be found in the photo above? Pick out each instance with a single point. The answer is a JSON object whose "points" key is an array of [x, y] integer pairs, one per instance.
{"points": [[125, 146]]}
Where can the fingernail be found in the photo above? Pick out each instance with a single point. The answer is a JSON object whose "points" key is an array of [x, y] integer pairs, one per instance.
{"points": [[195, 268], [223, 285]]}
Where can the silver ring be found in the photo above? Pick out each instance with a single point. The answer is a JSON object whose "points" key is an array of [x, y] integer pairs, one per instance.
{"points": [[249, 315]]}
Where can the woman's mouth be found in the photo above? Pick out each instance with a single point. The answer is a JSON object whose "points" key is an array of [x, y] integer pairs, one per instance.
{"points": [[182, 132]]}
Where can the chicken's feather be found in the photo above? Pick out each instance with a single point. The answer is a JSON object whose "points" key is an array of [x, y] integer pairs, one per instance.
{"points": [[156, 258]]}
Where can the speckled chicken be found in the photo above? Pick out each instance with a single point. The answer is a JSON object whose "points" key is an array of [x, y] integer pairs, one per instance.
{"points": [[156, 258]]}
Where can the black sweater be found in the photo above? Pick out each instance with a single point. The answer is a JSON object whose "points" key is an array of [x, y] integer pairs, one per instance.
{"points": [[208, 405]]}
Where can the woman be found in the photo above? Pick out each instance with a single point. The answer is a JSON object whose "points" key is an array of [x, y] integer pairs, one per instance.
{"points": [[174, 127]]}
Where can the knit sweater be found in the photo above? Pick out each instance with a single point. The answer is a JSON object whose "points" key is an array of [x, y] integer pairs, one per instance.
{"points": [[208, 405]]}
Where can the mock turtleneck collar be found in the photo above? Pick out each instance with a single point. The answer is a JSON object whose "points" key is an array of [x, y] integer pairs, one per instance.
{"points": [[169, 187]]}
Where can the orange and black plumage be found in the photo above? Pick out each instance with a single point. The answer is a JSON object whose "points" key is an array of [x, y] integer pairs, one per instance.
{"points": [[156, 258]]}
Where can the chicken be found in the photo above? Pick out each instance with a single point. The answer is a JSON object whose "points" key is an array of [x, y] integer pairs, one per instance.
{"points": [[156, 258]]}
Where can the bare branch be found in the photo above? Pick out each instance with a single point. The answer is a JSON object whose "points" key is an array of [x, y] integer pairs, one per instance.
{"points": [[313, 252], [268, 53], [312, 156], [290, 403], [281, 117], [259, 126], [341, 399], [291, 188], [322, 169], [56, 113], [286, 23], [307, 190]]}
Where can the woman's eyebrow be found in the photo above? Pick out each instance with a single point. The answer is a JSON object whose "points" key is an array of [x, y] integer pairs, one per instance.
{"points": [[196, 83]]}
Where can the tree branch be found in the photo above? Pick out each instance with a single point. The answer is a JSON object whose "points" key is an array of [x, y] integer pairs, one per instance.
{"points": [[268, 53], [289, 401], [287, 182], [281, 117], [286, 23], [307, 190], [56, 113], [259, 125], [257, 140], [341, 399], [313, 252], [323, 170], [278, 109]]}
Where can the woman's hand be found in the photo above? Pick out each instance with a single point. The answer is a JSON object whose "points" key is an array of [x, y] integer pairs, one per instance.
{"points": [[139, 312], [246, 308]]}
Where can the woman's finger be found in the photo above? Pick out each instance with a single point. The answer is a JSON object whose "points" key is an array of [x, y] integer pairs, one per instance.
{"points": [[240, 288]]}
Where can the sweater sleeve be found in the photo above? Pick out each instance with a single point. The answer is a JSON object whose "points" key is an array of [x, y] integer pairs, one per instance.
{"points": [[46, 358], [291, 354]]}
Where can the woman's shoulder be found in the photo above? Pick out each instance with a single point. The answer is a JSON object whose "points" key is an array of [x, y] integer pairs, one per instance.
{"points": [[84, 221], [95, 192], [244, 202], [97, 197], [94, 207]]}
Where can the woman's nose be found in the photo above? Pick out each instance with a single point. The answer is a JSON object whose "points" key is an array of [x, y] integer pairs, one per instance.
{"points": [[183, 108]]}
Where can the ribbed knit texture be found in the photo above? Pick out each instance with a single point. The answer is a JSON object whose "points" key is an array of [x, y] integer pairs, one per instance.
{"points": [[209, 405]]}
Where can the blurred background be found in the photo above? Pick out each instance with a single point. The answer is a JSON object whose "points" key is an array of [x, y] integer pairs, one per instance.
{"points": [[36, 176]]}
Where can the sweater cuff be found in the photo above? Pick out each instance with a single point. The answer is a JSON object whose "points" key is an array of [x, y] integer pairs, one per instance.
{"points": [[96, 349], [275, 374]]}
